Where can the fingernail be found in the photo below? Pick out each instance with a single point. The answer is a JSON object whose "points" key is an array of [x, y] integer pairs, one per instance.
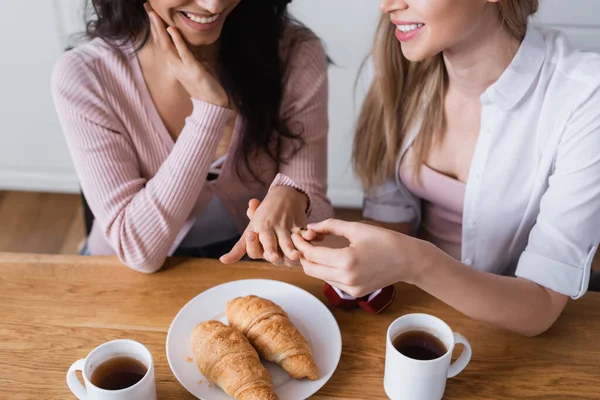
{"points": [[147, 7], [310, 226], [251, 237]]}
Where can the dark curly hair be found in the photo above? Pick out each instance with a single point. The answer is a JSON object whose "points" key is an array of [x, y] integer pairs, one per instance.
{"points": [[250, 65]]}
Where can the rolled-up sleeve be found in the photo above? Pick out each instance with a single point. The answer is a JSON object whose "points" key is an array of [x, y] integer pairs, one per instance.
{"points": [[392, 202], [565, 237]]}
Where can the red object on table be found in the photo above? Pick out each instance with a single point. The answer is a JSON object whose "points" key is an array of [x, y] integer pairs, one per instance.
{"points": [[373, 303]]}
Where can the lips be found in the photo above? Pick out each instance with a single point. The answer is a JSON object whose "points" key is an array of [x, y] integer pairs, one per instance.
{"points": [[201, 22], [200, 19], [406, 31], [405, 28]]}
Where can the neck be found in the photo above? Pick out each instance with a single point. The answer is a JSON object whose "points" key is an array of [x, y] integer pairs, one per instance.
{"points": [[208, 53], [478, 62]]}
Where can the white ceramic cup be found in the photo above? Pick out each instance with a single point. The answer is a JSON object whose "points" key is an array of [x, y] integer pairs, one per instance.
{"points": [[409, 379], [145, 389]]}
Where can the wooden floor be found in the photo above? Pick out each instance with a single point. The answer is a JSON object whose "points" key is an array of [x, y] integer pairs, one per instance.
{"points": [[50, 223], [47, 223]]}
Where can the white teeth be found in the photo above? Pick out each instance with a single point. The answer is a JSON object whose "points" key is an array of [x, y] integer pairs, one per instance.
{"points": [[408, 28], [201, 20]]}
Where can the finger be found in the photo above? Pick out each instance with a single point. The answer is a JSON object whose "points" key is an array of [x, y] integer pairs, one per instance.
{"points": [[282, 261], [155, 28], [252, 207], [321, 272], [318, 238], [237, 252], [253, 246], [287, 246], [335, 227], [148, 9], [310, 234], [268, 239], [290, 263], [182, 49], [337, 258], [163, 39]]}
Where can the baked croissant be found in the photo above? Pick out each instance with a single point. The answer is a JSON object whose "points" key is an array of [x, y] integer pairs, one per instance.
{"points": [[273, 335], [227, 359]]}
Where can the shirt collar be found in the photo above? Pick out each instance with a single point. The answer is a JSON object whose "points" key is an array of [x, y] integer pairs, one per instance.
{"points": [[520, 75]]}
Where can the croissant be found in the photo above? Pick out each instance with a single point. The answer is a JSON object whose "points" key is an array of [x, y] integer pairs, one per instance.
{"points": [[227, 359], [271, 332]]}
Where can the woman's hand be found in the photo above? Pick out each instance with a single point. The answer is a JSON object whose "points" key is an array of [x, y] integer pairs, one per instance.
{"points": [[272, 222], [195, 76], [375, 258]]}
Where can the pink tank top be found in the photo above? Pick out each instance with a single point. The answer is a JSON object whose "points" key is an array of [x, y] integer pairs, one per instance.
{"points": [[441, 207]]}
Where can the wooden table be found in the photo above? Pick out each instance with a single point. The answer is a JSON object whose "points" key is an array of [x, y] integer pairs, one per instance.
{"points": [[55, 309]]}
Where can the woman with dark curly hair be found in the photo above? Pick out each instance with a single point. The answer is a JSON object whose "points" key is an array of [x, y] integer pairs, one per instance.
{"points": [[178, 112]]}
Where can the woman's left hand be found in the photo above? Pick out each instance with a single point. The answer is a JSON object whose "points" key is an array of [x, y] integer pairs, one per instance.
{"points": [[268, 235], [375, 258]]}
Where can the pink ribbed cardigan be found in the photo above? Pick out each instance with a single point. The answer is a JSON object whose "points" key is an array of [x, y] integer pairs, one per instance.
{"points": [[145, 190]]}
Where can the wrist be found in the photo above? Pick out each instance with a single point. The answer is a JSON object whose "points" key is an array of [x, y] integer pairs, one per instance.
{"points": [[425, 254], [293, 195]]}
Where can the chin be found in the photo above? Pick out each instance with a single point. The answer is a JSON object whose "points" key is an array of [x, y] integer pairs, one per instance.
{"points": [[196, 39], [417, 53], [204, 40]]}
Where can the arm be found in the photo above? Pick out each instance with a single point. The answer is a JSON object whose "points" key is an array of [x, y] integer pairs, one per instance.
{"points": [[379, 257], [305, 111], [514, 304], [400, 227], [299, 191], [554, 266], [141, 218]]}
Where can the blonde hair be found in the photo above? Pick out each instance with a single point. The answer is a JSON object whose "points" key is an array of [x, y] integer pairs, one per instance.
{"points": [[405, 93]]}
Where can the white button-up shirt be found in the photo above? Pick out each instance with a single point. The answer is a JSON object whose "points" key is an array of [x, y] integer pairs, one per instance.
{"points": [[532, 201]]}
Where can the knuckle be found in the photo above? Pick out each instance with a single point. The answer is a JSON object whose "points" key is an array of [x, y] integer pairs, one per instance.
{"points": [[309, 255], [350, 262], [262, 225], [351, 280]]}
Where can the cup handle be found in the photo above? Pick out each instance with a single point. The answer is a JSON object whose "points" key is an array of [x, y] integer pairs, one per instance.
{"points": [[73, 381], [462, 361]]}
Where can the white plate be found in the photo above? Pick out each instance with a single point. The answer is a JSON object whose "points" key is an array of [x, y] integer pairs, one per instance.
{"points": [[310, 316]]}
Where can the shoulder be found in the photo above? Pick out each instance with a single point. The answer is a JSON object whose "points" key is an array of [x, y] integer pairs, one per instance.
{"points": [[88, 64], [87, 80], [302, 48], [570, 71]]}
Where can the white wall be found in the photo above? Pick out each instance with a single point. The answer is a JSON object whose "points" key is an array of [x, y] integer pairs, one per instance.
{"points": [[347, 27], [579, 19], [32, 150]]}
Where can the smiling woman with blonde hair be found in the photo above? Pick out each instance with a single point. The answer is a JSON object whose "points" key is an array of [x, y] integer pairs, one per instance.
{"points": [[478, 146]]}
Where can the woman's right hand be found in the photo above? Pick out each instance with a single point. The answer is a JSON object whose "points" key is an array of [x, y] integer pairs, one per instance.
{"points": [[196, 76]]}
